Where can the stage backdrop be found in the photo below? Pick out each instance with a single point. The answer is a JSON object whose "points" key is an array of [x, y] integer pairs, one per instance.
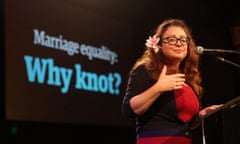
{"points": [[65, 63]]}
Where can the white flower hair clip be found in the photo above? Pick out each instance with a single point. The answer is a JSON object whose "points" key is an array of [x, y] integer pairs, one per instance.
{"points": [[152, 42]]}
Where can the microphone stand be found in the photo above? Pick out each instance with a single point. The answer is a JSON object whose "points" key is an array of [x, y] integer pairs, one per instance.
{"points": [[228, 51], [229, 104], [221, 59], [232, 103]]}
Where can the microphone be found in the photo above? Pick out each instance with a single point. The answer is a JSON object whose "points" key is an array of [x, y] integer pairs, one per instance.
{"points": [[200, 50]]}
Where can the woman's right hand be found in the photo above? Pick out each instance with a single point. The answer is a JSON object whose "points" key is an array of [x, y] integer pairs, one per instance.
{"points": [[170, 82]]}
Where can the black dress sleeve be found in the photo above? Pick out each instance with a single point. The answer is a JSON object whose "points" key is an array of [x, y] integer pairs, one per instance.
{"points": [[138, 81]]}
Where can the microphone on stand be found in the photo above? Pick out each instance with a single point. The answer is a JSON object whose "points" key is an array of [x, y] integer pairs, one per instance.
{"points": [[200, 50]]}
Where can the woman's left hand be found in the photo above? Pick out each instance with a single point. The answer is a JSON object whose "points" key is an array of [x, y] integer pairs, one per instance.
{"points": [[209, 109]]}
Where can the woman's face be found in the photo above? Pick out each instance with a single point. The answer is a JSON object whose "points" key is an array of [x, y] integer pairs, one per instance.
{"points": [[175, 44]]}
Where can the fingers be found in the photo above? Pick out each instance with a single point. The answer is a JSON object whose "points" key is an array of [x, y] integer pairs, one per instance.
{"points": [[214, 107], [179, 81], [178, 85], [180, 77], [209, 109], [172, 81]]}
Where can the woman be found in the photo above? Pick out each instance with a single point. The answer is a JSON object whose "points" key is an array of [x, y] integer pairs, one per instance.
{"points": [[164, 87]]}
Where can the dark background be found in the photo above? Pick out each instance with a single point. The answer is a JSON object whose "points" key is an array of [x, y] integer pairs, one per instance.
{"points": [[95, 100], [215, 25]]}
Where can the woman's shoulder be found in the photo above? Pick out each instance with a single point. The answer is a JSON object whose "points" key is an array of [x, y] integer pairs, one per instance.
{"points": [[139, 68], [141, 77]]}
